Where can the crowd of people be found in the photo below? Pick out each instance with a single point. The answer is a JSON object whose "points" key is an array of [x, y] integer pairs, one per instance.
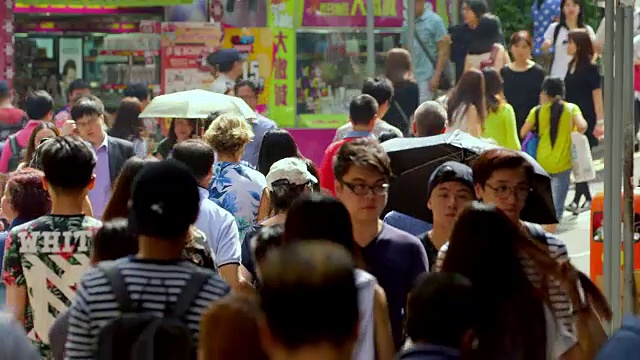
{"points": [[225, 242]]}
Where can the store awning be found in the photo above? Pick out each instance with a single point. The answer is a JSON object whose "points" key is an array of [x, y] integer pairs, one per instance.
{"points": [[105, 3]]}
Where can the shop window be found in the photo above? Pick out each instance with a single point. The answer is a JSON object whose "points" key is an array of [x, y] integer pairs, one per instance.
{"points": [[331, 68]]}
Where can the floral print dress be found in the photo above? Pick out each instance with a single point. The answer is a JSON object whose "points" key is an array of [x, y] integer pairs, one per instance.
{"points": [[237, 188]]}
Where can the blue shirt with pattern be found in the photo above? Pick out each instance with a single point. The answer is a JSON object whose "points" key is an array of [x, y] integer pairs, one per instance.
{"points": [[543, 16], [237, 188], [430, 28]]}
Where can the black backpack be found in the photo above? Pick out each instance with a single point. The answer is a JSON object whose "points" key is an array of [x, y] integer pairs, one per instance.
{"points": [[139, 336]]}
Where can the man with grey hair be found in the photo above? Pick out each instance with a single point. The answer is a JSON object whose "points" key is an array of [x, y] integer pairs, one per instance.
{"points": [[429, 119]]}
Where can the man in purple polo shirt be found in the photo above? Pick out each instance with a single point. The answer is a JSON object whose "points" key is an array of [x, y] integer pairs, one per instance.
{"points": [[247, 91], [111, 152]]}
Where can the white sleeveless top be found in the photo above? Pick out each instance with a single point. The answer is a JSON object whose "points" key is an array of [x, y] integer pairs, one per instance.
{"points": [[365, 348], [458, 120]]}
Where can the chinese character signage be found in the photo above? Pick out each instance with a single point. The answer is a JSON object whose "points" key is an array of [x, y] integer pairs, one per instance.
{"points": [[185, 47], [282, 94], [7, 71], [388, 13], [256, 47]]}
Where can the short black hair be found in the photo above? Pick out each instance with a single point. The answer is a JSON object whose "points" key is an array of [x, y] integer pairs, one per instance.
{"points": [[266, 239], [38, 105], [380, 88], [114, 240], [68, 163], [248, 83], [5, 90], [440, 309], [363, 109], [364, 152], [87, 105], [196, 154], [305, 275], [139, 91], [387, 135], [78, 84]]}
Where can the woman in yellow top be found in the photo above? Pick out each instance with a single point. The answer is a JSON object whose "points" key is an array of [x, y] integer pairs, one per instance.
{"points": [[556, 120], [500, 123]]}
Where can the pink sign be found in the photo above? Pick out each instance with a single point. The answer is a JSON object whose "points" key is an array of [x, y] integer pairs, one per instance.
{"points": [[313, 142], [351, 13], [83, 10]]}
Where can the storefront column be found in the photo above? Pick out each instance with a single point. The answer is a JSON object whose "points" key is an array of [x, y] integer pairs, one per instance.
{"points": [[6, 41], [371, 55]]}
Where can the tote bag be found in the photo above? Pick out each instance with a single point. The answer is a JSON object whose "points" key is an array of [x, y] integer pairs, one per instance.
{"points": [[581, 160]]}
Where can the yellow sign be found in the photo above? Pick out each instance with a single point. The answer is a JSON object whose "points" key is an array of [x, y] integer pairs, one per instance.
{"points": [[256, 47]]}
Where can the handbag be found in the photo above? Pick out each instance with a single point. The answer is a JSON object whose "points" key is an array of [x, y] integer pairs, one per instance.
{"points": [[531, 141], [492, 58], [445, 78], [581, 159]]}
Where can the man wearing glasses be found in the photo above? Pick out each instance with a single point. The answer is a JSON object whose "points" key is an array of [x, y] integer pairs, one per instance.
{"points": [[247, 91], [362, 172]]}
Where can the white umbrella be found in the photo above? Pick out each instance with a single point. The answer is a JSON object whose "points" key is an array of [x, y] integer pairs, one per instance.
{"points": [[195, 104]]}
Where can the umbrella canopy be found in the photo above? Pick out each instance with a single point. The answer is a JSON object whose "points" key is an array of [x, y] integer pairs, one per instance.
{"points": [[413, 160], [195, 104]]}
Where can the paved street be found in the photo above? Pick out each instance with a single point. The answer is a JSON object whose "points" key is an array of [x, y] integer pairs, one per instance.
{"points": [[575, 230]]}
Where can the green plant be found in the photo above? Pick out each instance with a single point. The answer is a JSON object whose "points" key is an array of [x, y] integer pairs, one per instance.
{"points": [[515, 15]]}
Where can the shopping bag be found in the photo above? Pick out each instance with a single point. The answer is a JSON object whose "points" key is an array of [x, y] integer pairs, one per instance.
{"points": [[530, 142], [581, 160]]}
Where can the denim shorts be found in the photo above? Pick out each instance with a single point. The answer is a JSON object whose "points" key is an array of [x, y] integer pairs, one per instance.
{"points": [[559, 189]]}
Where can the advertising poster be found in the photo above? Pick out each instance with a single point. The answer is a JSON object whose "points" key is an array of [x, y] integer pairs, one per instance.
{"points": [[256, 47], [353, 13], [282, 89], [185, 47]]}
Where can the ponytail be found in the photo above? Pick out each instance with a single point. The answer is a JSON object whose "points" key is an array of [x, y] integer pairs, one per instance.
{"points": [[557, 107]]}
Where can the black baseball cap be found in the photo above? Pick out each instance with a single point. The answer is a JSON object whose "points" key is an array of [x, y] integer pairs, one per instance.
{"points": [[164, 200], [451, 171]]}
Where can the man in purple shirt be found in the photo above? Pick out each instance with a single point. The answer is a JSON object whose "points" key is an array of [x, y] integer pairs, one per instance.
{"points": [[247, 91], [112, 153]]}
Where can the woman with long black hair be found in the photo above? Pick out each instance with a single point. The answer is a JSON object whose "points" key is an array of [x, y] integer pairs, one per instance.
{"points": [[179, 130], [556, 38], [584, 89], [554, 121]]}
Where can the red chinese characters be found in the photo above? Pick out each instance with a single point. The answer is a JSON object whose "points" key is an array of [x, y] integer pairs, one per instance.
{"points": [[281, 95], [280, 69]]}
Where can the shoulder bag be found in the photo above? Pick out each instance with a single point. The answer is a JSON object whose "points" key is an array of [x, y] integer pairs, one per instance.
{"points": [[445, 78]]}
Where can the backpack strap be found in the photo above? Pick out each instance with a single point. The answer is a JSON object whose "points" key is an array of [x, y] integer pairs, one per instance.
{"points": [[199, 277], [112, 272], [15, 148], [537, 233]]}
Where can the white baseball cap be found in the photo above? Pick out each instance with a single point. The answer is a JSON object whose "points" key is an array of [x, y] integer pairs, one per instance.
{"points": [[294, 170]]}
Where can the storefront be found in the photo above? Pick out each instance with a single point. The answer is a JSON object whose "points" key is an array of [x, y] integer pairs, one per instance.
{"points": [[57, 41]]}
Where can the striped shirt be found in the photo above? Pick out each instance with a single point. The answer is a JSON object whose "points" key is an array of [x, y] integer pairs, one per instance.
{"points": [[153, 285], [560, 302]]}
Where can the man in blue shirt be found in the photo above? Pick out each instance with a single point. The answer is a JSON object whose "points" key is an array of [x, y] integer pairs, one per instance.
{"points": [[247, 91], [430, 36]]}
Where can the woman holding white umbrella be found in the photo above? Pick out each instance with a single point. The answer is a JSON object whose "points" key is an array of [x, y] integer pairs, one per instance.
{"points": [[188, 111]]}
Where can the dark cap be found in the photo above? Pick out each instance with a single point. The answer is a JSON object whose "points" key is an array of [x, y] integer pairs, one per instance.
{"points": [[451, 171], [139, 91], [164, 200], [4, 86], [223, 56]]}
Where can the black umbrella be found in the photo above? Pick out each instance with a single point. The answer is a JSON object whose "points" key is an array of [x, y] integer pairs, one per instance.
{"points": [[414, 159]]}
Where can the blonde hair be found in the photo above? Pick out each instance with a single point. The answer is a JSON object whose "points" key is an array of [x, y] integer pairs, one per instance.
{"points": [[228, 133]]}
